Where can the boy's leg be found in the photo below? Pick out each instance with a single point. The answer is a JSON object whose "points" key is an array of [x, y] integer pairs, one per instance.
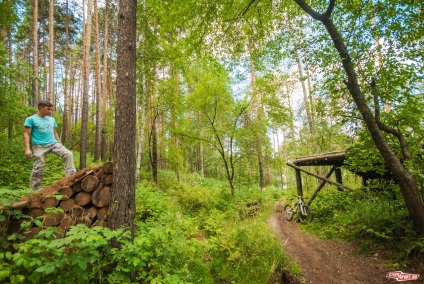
{"points": [[68, 159], [36, 179]]}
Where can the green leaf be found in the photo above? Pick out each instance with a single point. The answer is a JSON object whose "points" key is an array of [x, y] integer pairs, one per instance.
{"points": [[17, 279], [4, 274]]}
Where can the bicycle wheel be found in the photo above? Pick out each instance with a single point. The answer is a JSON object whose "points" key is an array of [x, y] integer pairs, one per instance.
{"points": [[289, 212], [308, 216]]}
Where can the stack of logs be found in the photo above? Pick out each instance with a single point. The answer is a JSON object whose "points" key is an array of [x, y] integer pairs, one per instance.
{"points": [[83, 198]]}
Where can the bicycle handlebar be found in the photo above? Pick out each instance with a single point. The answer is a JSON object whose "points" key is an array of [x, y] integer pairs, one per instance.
{"points": [[298, 196]]}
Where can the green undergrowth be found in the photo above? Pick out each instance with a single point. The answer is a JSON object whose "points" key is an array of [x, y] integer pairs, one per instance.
{"points": [[15, 168], [375, 218], [194, 231]]}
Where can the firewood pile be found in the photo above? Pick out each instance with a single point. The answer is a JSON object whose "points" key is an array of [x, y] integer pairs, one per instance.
{"points": [[83, 198]]}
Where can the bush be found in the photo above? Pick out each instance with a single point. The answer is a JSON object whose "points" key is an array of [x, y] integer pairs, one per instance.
{"points": [[15, 168], [82, 256], [246, 252]]}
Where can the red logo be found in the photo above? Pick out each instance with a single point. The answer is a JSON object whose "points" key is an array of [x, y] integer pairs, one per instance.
{"points": [[400, 276]]}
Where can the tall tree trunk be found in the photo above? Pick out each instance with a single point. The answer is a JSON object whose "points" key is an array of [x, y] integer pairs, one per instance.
{"points": [[35, 85], [50, 92], [65, 124], [98, 86], [200, 159], [256, 118], [71, 98], [174, 115], [153, 147], [123, 196], [279, 157], [302, 80], [77, 100], [45, 74], [406, 180], [154, 151], [86, 74], [141, 118], [140, 135], [104, 84]]}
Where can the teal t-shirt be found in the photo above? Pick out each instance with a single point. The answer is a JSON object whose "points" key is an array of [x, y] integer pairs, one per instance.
{"points": [[42, 129]]}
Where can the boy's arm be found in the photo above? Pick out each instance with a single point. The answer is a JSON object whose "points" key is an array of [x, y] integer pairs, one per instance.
{"points": [[56, 135], [27, 136]]}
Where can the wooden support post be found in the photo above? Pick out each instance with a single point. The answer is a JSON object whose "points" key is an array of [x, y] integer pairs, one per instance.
{"points": [[321, 185], [299, 183], [339, 177], [319, 177]]}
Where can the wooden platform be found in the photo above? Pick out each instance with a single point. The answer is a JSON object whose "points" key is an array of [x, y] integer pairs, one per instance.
{"points": [[335, 158]]}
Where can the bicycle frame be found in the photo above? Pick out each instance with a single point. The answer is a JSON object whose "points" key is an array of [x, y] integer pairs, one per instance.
{"points": [[298, 206]]}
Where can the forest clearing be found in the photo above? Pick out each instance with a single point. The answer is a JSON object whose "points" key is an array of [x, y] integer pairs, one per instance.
{"points": [[182, 133]]}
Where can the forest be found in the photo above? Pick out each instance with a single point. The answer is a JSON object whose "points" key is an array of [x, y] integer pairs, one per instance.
{"points": [[200, 105]]}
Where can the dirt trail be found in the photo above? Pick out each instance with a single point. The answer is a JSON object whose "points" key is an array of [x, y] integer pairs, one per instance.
{"points": [[329, 261]]}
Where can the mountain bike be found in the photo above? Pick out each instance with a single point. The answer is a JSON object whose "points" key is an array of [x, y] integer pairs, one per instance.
{"points": [[304, 212]]}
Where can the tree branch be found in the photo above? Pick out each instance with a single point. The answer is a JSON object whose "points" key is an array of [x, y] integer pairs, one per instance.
{"points": [[240, 14], [330, 8], [376, 103], [200, 139], [383, 127], [308, 9]]}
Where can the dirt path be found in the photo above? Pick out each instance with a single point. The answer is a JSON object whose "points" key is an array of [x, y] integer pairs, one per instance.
{"points": [[328, 261]]}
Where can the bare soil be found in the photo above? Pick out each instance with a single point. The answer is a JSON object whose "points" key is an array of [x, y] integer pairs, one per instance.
{"points": [[330, 261]]}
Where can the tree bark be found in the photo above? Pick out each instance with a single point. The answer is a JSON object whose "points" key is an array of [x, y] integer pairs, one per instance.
{"points": [[153, 143], [304, 90], [200, 160], [98, 87], [35, 85], [174, 114], [86, 74], [141, 114], [255, 116], [65, 124], [51, 52], [406, 180], [104, 85], [122, 209]]}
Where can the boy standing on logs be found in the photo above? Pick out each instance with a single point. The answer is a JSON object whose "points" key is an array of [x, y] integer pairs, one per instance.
{"points": [[41, 128]]}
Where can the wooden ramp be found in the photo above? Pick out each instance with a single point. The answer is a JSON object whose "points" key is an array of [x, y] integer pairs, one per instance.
{"points": [[334, 159]]}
